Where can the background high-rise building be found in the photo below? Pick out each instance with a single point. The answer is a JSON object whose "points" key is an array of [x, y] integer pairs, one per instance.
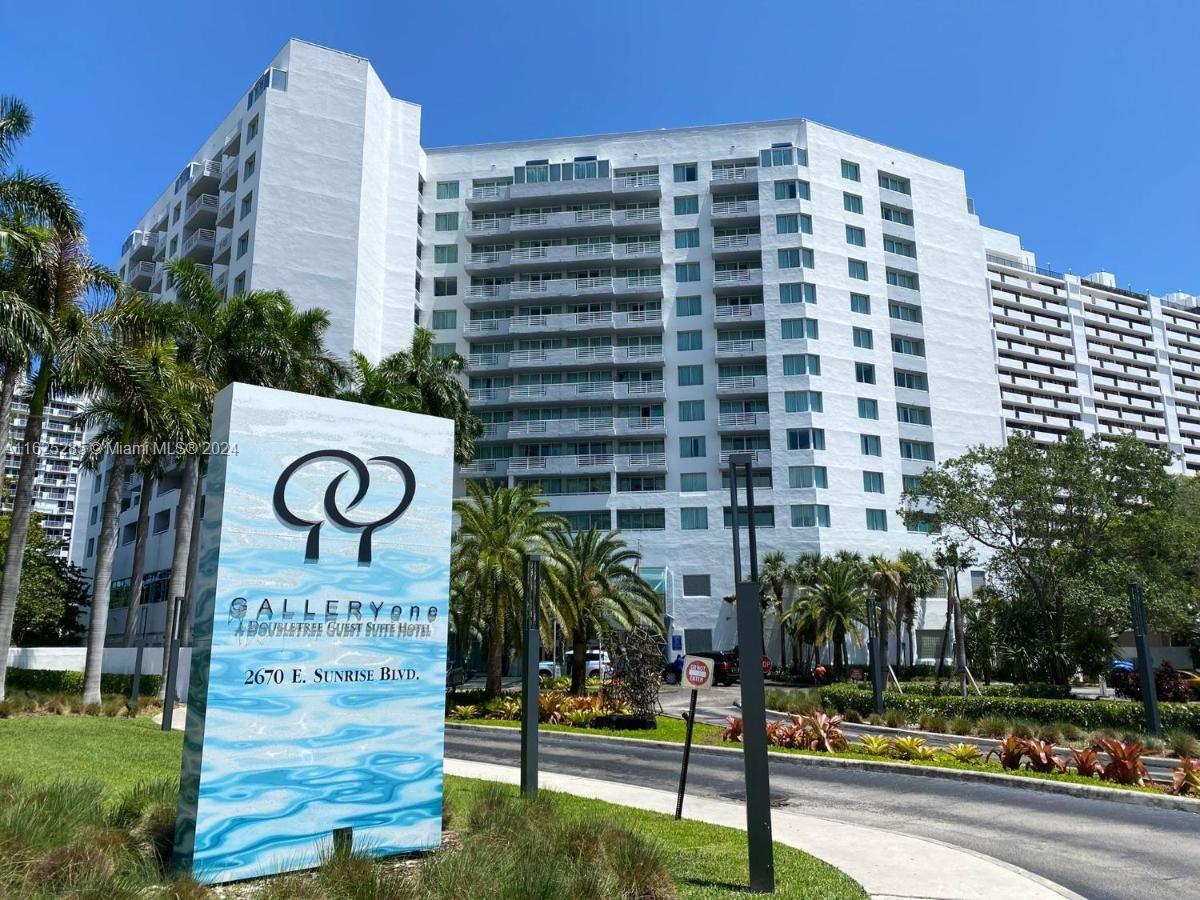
{"points": [[636, 307]]}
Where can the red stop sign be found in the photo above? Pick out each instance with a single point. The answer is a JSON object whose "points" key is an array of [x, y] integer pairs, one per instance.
{"points": [[766, 664]]}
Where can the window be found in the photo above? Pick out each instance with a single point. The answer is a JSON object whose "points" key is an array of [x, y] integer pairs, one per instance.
{"points": [[693, 482], [810, 515], [908, 346], [693, 518], [922, 450], [691, 375], [691, 447], [445, 253], [447, 221], [806, 225], [789, 257], [687, 306], [640, 484], [247, 205], [860, 303], [850, 170], [782, 155], [792, 190], [895, 214], [690, 340], [442, 350], [248, 168], [808, 477], [687, 206], [857, 269], [243, 244], [864, 339], [914, 381], [870, 445], [912, 483], [641, 519], [903, 248], [868, 408], [803, 401], [806, 439], [94, 514], [445, 287], [445, 319], [798, 329], [787, 224], [902, 279], [876, 520], [685, 272], [852, 203], [892, 183], [239, 284], [691, 410], [697, 586], [252, 129], [913, 415], [447, 190], [128, 533], [764, 517], [873, 482], [91, 547], [801, 364], [905, 312], [162, 521], [864, 373], [686, 172], [798, 292], [687, 237], [856, 236]]}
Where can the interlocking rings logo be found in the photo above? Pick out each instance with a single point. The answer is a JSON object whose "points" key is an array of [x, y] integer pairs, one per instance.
{"points": [[312, 549]]}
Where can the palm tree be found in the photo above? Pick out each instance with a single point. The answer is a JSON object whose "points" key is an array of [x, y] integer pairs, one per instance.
{"points": [[592, 584], [149, 468], [367, 383], [953, 559], [774, 578], [839, 601], [803, 625], [885, 578], [436, 382], [59, 283], [22, 327], [919, 581], [498, 527], [24, 196]]}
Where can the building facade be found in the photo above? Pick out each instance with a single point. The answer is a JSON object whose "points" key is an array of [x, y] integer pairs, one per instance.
{"points": [[635, 308]]}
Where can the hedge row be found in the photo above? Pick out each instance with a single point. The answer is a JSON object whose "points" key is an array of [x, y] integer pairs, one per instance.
{"points": [[1089, 715], [1035, 690], [53, 681]]}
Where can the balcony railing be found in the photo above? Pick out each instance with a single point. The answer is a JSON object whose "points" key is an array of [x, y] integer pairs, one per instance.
{"points": [[743, 420], [491, 192], [742, 383], [639, 249], [735, 241], [752, 347], [735, 208], [197, 240], [757, 457], [737, 276], [642, 461], [739, 311], [726, 174], [205, 203]]}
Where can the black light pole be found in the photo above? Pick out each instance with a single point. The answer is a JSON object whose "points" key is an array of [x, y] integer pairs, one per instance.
{"points": [[1137, 610], [873, 627], [754, 712], [529, 688]]}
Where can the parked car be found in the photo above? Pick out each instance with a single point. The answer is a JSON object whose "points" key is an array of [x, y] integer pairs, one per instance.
{"points": [[548, 669], [725, 666], [596, 665], [456, 676]]}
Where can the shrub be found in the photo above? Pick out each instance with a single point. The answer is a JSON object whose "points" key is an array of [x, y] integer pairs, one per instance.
{"points": [[961, 725], [1009, 751], [965, 753], [819, 731], [933, 722], [1023, 730], [1033, 690], [910, 747], [874, 745], [52, 681], [1186, 780], [1087, 763], [1183, 744], [993, 727], [779, 733], [1125, 764], [895, 718], [465, 711], [874, 719], [553, 707], [853, 716], [732, 730], [1071, 732], [1169, 685], [1050, 733], [581, 718], [505, 708], [1041, 757]]}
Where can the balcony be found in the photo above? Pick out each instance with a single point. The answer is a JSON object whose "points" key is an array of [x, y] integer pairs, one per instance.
{"points": [[203, 177], [734, 211], [488, 229], [736, 279], [648, 220], [527, 258], [744, 421], [140, 245], [550, 223], [642, 462], [567, 356], [641, 425], [199, 244], [641, 186], [160, 246], [734, 175], [736, 244], [561, 287], [562, 465], [541, 393], [638, 286], [735, 385], [229, 171], [156, 282], [488, 195], [761, 458], [224, 245], [484, 467], [225, 213], [140, 274], [740, 312], [201, 211], [486, 294], [641, 249], [741, 348], [560, 427], [221, 281], [577, 190], [639, 390], [638, 353]]}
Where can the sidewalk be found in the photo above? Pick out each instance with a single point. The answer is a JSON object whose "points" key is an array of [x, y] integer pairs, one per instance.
{"points": [[889, 866]]}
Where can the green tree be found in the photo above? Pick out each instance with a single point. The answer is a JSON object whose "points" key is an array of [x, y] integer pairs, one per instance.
{"points": [[53, 592], [498, 527], [885, 580], [920, 579], [775, 577], [836, 604], [592, 586]]}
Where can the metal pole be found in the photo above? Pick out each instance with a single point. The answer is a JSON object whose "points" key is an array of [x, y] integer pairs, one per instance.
{"points": [[172, 668], [687, 752], [1137, 609], [529, 691], [750, 522], [733, 509]]}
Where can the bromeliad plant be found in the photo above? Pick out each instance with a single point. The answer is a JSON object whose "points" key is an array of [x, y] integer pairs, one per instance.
{"points": [[965, 753], [1041, 757], [732, 731], [819, 731], [1009, 751], [1186, 780], [1125, 764], [1087, 763]]}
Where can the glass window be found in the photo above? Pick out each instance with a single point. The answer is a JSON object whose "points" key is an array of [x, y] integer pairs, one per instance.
{"points": [[801, 364], [764, 517], [805, 223], [440, 350], [445, 253], [913, 415], [873, 482], [868, 408], [686, 172], [687, 306], [445, 319], [803, 401], [445, 287], [691, 375], [447, 190], [914, 381], [247, 205], [863, 338], [864, 373], [852, 203], [908, 346], [856, 236], [797, 292], [447, 221], [922, 450], [857, 269], [860, 303], [697, 586], [252, 129], [690, 340], [692, 482], [691, 410], [641, 519], [248, 168], [810, 515], [687, 237], [893, 183], [902, 279], [806, 439], [687, 206], [895, 245], [876, 520], [895, 214], [693, 518], [685, 272], [243, 244], [789, 257], [792, 190], [808, 477], [870, 445], [691, 447], [798, 329], [787, 224], [905, 312], [850, 170]]}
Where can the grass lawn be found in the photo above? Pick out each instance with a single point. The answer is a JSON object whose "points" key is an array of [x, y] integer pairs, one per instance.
{"points": [[668, 729], [706, 862]]}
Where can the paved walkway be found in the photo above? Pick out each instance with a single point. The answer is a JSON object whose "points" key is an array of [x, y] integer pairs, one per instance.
{"points": [[889, 866]]}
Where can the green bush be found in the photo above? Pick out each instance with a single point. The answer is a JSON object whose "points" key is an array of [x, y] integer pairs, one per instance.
{"points": [[1033, 690], [1086, 714], [53, 681]]}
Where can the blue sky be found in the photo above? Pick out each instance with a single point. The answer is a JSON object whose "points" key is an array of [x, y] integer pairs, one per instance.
{"points": [[1077, 123]]}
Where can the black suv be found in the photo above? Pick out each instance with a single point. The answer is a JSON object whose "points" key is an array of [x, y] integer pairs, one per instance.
{"points": [[725, 666]]}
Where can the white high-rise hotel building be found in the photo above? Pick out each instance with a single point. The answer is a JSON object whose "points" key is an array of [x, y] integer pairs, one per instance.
{"points": [[636, 307]]}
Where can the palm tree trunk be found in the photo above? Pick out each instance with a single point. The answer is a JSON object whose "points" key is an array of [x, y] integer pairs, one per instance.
{"points": [[189, 593], [884, 609], [896, 621], [179, 556], [139, 562], [578, 663], [18, 533], [8, 389], [960, 645], [912, 647], [93, 663], [495, 661]]}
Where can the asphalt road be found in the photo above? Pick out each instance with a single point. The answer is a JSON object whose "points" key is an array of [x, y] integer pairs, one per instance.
{"points": [[1097, 848]]}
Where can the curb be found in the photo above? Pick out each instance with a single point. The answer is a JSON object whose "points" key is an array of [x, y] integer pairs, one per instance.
{"points": [[1081, 791]]}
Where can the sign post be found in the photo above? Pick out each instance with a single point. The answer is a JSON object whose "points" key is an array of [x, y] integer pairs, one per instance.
{"points": [[529, 689], [1137, 610], [697, 675]]}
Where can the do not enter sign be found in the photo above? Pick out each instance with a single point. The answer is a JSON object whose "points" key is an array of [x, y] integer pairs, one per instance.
{"points": [[697, 672]]}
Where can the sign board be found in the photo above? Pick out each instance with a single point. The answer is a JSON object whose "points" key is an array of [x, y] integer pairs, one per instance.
{"points": [[318, 672], [766, 665], [697, 672]]}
